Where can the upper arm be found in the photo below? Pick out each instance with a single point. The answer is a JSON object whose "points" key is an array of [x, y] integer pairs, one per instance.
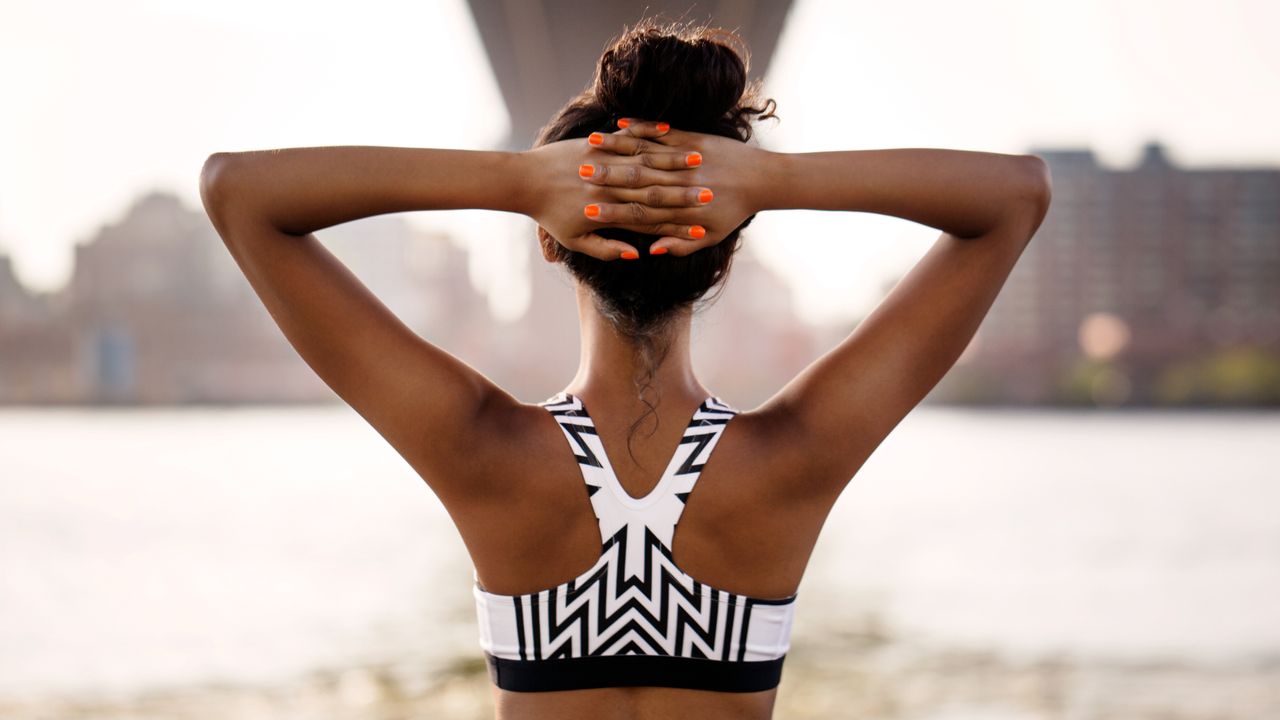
{"points": [[844, 404], [425, 402]]}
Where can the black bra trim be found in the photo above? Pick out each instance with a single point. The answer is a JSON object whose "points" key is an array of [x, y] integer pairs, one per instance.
{"points": [[634, 671]]}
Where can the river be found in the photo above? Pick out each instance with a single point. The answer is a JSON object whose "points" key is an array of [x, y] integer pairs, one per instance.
{"points": [[142, 548]]}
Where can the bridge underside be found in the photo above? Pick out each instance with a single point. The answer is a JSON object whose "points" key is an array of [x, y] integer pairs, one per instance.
{"points": [[544, 52]]}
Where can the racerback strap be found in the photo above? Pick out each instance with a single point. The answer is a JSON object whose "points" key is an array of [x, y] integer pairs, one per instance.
{"points": [[634, 521]]}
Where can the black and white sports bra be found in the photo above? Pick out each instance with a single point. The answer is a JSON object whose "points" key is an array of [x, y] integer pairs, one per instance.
{"points": [[635, 618]]}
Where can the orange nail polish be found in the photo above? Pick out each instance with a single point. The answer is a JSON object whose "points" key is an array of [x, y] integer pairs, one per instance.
{"points": [[658, 251], [624, 123], [630, 255], [697, 232], [592, 210], [586, 171], [595, 138], [663, 127], [693, 159], [703, 197]]}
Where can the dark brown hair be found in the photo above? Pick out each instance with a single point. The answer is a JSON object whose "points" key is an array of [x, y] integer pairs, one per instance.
{"points": [[695, 78]]}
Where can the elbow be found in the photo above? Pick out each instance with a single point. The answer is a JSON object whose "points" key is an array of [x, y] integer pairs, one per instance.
{"points": [[1035, 189], [213, 183], [222, 186], [1038, 183]]}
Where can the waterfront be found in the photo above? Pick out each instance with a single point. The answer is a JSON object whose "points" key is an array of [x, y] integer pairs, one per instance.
{"points": [[287, 563]]}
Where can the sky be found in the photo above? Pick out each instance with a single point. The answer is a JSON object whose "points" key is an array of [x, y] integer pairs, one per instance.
{"points": [[104, 102]]}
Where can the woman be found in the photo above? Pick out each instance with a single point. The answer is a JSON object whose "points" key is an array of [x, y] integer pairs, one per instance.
{"points": [[640, 186]]}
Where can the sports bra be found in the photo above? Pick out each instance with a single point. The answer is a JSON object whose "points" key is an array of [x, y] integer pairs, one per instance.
{"points": [[635, 618]]}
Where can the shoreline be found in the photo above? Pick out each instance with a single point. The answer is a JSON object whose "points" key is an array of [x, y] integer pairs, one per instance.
{"points": [[865, 676]]}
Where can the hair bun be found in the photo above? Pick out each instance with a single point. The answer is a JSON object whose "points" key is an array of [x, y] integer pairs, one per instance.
{"points": [[690, 77]]}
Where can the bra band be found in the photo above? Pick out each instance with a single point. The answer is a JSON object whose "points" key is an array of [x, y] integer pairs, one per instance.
{"points": [[634, 671]]}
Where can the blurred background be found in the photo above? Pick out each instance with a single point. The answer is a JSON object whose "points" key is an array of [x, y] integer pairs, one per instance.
{"points": [[1081, 521]]}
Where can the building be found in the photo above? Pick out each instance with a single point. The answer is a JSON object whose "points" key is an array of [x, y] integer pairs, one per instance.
{"points": [[158, 312], [1139, 285]]}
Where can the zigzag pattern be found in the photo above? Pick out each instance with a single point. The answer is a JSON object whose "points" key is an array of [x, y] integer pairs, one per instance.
{"points": [[662, 611], [634, 600]]}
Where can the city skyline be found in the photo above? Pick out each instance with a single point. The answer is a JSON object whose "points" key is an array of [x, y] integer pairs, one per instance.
{"points": [[1155, 284]]}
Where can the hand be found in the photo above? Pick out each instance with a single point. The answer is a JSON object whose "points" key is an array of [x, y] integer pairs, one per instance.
{"points": [[729, 168], [627, 181]]}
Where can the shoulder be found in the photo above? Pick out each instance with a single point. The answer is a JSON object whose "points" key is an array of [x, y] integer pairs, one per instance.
{"points": [[507, 439], [509, 477], [787, 460]]}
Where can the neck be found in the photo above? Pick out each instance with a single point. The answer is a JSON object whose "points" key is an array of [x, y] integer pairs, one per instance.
{"points": [[609, 363]]}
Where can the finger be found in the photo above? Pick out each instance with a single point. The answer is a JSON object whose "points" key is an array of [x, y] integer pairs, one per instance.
{"points": [[673, 138], [669, 231], [628, 175], [602, 248], [660, 196], [644, 128], [630, 213], [679, 246], [665, 160], [623, 143], [641, 171]]}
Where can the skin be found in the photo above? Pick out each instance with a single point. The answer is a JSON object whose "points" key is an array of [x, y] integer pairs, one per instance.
{"points": [[766, 491]]}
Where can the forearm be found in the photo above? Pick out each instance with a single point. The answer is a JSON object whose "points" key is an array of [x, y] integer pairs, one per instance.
{"points": [[301, 190], [960, 192]]}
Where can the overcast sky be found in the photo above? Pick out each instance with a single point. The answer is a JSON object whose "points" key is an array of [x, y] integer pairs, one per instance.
{"points": [[105, 101]]}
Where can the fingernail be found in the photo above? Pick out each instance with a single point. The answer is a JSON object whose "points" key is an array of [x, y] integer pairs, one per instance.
{"points": [[658, 251], [592, 210], [624, 123], [630, 255], [697, 232], [586, 171], [704, 197], [663, 127], [595, 138], [693, 159]]}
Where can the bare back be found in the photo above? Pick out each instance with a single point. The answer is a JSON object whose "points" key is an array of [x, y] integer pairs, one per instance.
{"points": [[742, 531]]}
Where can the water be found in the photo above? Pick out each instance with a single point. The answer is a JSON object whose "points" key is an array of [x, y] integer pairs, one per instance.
{"points": [[146, 547], [1127, 535]]}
